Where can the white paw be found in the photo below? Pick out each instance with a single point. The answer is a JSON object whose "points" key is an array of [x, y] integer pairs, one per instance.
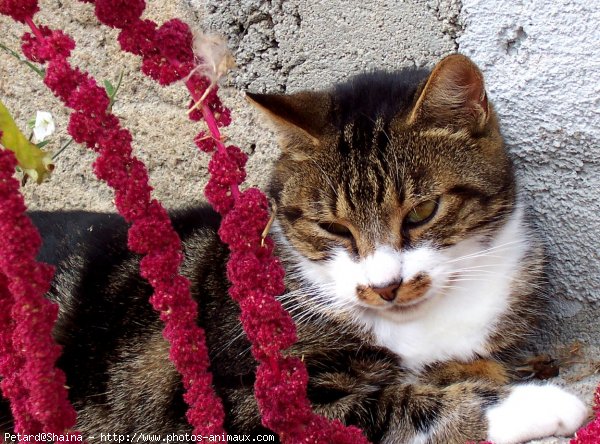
{"points": [[535, 411]]}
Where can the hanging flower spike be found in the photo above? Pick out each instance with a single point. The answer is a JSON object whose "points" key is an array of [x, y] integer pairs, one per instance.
{"points": [[19, 10], [204, 92], [204, 141], [281, 382], [11, 361], [219, 196], [62, 79], [151, 231], [262, 320], [174, 40], [227, 166], [139, 38], [119, 13], [55, 43], [281, 390], [34, 385], [174, 59]]}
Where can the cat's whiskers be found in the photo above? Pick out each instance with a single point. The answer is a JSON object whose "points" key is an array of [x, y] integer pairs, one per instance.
{"points": [[322, 306], [486, 252], [312, 296], [487, 278], [477, 271]]}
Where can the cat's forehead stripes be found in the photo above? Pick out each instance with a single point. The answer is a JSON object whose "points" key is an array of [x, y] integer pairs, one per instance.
{"points": [[363, 145]]}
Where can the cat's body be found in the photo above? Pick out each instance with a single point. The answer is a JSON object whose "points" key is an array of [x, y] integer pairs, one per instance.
{"points": [[411, 275]]}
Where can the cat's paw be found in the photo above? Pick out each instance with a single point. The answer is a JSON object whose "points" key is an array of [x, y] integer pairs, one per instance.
{"points": [[535, 411]]}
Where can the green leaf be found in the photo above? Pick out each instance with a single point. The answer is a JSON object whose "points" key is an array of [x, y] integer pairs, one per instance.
{"points": [[113, 90], [34, 162], [110, 89], [42, 144]]}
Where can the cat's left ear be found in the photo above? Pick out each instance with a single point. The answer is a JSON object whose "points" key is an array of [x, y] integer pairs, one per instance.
{"points": [[453, 97], [300, 118]]}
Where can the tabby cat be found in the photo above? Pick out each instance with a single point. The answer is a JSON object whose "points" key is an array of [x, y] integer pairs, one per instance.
{"points": [[411, 274]]}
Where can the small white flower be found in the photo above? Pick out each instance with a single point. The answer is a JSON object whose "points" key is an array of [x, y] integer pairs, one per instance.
{"points": [[44, 126]]}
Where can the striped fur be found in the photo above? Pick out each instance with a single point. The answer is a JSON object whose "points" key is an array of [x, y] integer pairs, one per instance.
{"points": [[408, 330]]}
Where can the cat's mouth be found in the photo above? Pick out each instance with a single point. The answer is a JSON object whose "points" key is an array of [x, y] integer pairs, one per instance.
{"points": [[400, 296]]}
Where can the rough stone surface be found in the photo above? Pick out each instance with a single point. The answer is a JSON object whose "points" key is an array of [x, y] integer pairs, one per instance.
{"points": [[541, 59], [289, 45]]}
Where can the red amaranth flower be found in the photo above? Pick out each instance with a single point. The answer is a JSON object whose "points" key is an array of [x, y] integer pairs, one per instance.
{"points": [[242, 227], [199, 87], [153, 234], [55, 43], [139, 38], [221, 113], [219, 196], [227, 166], [61, 78], [161, 70], [19, 10], [174, 40], [263, 320], [196, 115], [88, 130], [248, 270], [119, 13], [35, 387], [281, 382], [281, 389], [89, 98], [205, 142]]}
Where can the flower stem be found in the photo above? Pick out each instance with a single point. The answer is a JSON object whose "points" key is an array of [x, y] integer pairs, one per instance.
{"points": [[213, 128], [36, 31]]}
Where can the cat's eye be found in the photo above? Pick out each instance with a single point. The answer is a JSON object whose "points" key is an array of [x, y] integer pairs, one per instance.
{"points": [[422, 213], [336, 229]]}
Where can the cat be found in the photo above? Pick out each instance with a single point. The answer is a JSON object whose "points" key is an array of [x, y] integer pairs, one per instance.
{"points": [[412, 276]]}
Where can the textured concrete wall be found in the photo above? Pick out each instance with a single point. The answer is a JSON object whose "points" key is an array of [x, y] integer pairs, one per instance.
{"points": [[541, 59]]}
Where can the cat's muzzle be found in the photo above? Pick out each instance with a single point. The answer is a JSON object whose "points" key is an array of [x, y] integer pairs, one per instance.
{"points": [[400, 294]]}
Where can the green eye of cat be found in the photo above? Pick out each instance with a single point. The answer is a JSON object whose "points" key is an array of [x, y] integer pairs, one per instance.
{"points": [[422, 213], [336, 229]]}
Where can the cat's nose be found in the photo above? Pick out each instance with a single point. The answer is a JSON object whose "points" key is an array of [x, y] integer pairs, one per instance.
{"points": [[387, 293]]}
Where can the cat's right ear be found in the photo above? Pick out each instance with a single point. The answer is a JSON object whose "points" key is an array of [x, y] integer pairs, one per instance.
{"points": [[299, 118], [453, 97]]}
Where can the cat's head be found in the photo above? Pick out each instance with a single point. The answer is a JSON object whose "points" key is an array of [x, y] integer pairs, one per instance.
{"points": [[385, 182]]}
